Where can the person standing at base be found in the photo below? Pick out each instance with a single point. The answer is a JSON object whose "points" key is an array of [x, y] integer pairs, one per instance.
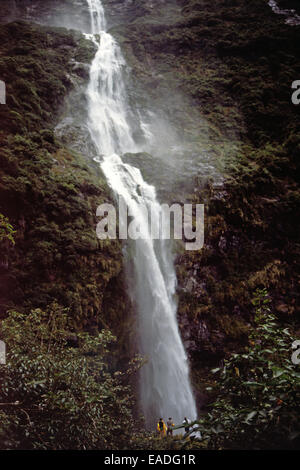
{"points": [[170, 425], [186, 424], [161, 427]]}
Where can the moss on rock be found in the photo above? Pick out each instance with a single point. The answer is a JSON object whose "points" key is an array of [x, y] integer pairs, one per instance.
{"points": [[48, 192]]}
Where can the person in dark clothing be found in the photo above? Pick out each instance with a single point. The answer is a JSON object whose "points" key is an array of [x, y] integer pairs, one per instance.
{"points": [[186, 423]]}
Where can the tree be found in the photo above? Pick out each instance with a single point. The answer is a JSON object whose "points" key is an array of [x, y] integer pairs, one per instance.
{"points": [[56, 391], [6, 230]]}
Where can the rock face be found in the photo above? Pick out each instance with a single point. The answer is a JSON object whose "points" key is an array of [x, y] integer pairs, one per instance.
{"points": [[210, 68], [50, 193]]}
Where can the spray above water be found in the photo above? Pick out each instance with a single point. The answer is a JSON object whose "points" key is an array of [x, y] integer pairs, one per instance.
{"points": [[165, 385]]}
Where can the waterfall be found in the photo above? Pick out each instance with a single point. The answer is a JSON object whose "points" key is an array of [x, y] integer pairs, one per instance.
{"points": [[165, 385]]}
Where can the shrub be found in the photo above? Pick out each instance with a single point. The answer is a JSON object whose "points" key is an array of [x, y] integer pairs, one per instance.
{"points": [[56, 391], [258, 390]]}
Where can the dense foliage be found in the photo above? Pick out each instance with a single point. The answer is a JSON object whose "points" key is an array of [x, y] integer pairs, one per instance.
{"points": [[258, 390], [56, 390], [6, 230]]}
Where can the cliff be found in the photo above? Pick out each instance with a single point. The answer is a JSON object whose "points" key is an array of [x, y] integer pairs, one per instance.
{"points": [[220, 74], [48, 192]]}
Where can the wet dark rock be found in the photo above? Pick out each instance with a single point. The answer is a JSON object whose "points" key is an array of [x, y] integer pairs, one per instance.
{"points": [[283, 308], [73, 341]]}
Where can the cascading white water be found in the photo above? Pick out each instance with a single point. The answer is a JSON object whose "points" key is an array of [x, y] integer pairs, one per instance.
{"points": [[165, 384]]}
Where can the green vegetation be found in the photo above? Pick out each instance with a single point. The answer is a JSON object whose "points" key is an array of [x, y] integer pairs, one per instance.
{"points": [[233, 62], [57, 391], [258, 391], [61, 387], [236, 62], [35, 65], [49, 193], [6, 230]]}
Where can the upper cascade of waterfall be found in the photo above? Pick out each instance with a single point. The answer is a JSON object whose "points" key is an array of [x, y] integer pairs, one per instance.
{"points": [[106, 94], [165, 384], [97, 14]]}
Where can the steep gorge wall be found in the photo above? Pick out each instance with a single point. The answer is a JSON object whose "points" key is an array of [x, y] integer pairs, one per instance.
{"points": [[232, 65], [50, 193], [220, 71]]}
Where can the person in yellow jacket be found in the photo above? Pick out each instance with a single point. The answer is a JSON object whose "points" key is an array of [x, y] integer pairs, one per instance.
{"points": [[161, 427]]}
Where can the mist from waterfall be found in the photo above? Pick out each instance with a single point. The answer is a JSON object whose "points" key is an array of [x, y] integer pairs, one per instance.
{"points": [[165, 386]]}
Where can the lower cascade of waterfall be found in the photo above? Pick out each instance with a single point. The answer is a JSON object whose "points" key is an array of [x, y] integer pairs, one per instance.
{"points": [[165, 385]]}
